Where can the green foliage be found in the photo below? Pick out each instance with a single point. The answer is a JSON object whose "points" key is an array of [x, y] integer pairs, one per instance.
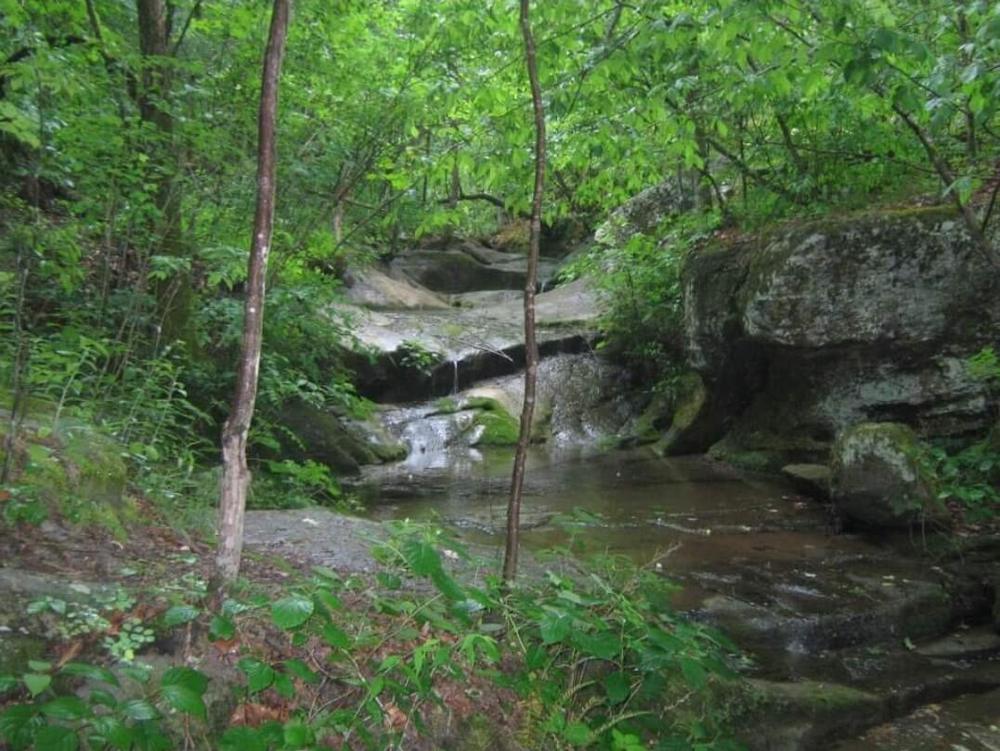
{"points": [[415, 355], [98, 715], [970, 476], [641, 281]]}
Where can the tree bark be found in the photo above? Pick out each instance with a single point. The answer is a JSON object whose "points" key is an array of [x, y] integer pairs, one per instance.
{"points": [[530, 344], [235, 472], [174, 296]]}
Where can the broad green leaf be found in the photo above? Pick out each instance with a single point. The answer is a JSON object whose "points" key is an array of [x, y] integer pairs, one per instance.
{"points": [[66, 708], [577, 734], [179, 614], [259, 675], [139, 709], [90, 672], [336, 637], [301, 671], [693, 672], [617, 688], [555, 627], [56, 738], [221, 628], [189, 678], [184, 700], [36, 682], [291, 612]]}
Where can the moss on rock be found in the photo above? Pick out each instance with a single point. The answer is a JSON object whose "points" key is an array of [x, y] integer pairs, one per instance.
{"points": [[339, 443], [498, 428], [881, 476]]}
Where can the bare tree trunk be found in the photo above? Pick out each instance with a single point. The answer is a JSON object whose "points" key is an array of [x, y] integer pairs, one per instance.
{"points": [[174, 296], [976, 230], [530, 345], [235, 473]]}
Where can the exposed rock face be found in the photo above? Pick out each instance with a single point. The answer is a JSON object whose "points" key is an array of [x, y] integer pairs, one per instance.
{"points": [[374, 288], [878, 477], [482, 338], [465, 267], [339, 443], [643, 212], [813, 328]]}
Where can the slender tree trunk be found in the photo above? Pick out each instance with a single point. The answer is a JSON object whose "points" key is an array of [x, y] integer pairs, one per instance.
{"points": [[235, 473], [973, 226], [530, 345], [174, 296]]}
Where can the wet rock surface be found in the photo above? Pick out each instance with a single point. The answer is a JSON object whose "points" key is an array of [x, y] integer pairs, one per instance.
{"points": [[408, 355]]}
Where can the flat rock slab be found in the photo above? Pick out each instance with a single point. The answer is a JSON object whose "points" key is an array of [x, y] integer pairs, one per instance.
{"points": [[372, 287], [969, 723], [324, 537]]}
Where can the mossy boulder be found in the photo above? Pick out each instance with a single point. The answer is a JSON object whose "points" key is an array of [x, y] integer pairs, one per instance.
{"points": [[809, 328], [811, 479], [643, 213], [72, 467], [880, 476], [803, 714], [492, 425], [340, 443], [692, 424]]}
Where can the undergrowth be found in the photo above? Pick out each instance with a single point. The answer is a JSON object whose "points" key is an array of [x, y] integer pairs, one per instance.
{"points": [[416, 656]]}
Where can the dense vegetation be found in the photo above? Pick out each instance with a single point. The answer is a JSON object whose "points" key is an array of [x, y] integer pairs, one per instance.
{"points": [[127, 142]]}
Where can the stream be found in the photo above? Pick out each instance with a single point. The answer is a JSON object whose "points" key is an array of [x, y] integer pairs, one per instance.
{"points": [[855, 643]]}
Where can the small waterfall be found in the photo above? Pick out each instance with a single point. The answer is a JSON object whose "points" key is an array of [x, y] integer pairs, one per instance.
{"points": [[454, 384]]}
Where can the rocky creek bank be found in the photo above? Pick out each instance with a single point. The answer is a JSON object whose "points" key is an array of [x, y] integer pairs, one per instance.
{"points": [[832, 351]]}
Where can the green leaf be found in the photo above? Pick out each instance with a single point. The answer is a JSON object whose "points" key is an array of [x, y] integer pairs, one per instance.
{"points": [[297, 734], [421, 557], [693, 672], [39, 666], [36, 682], [259, 675], [139, 709], [221, 628], [184, 700], [616, 686], [555, 627], [604, 645], [577, 734], [90, 672], [56, 738], [189, 678], [291, 612], [103, 698], [301, 671], [336, 637], [284, 686], [112, 730], [7, 683], [243, 739], [66, 708], [179, 614], [328, 600]]}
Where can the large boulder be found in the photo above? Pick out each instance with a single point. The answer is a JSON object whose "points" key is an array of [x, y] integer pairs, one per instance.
{"points": [[340, 443], [879, 476], [374, 288], [811, 328], [644, 212]]}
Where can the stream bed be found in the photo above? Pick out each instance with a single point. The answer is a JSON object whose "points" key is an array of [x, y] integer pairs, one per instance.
{"points": [[849, 637]]}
